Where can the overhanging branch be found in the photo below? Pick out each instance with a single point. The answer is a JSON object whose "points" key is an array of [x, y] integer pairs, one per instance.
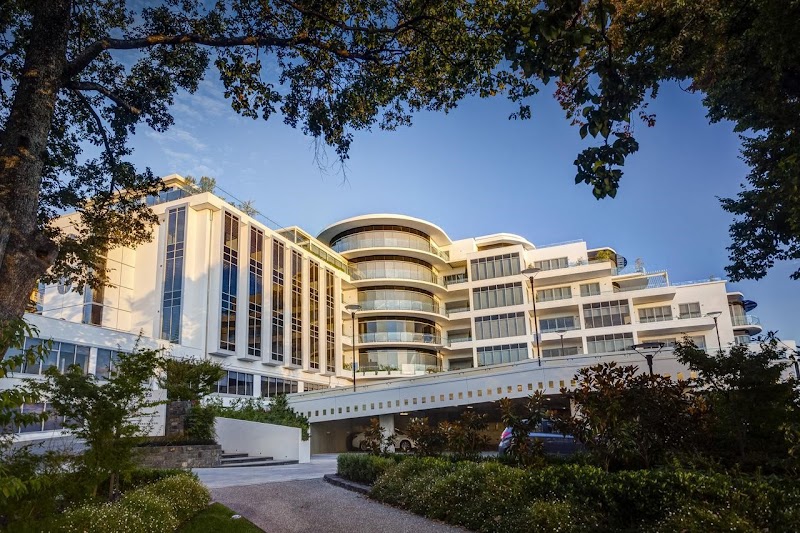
{"points": [[92, 86]]}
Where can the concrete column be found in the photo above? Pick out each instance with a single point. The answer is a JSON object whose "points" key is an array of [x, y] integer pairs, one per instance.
{"points": [[387, 423]]}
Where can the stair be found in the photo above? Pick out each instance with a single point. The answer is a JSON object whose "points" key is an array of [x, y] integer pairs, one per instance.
{"points": [[243, 459]]}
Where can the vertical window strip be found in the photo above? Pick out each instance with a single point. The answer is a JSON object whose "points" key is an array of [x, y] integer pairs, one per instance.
{"points": [[297, 308], [498, 326], [330, 322], [278, 258], [230, 281], [313, 356], [256, 304], [172, 296], [495, 267]]}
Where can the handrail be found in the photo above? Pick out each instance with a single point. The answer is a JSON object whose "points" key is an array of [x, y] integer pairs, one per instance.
{"points": [[399, 336]]}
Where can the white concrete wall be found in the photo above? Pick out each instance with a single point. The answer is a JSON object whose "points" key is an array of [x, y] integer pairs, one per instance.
{"points": [[259, 440]]}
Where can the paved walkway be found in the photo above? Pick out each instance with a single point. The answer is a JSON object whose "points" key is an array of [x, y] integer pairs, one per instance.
{"points": [[254, 475], [312, 505]]}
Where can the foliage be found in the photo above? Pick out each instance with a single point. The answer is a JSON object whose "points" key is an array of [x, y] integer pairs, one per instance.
{"points": [[363, 468], [465, 438], [609, 59], [104, 412], [200, 424], [16, 469], [276, 410], [217, 518], [522, 449], [376, 441], [492, 497], [632, 420], [189, 379], [428, 438], [204, 184], [140, 477], [160, 506], [751, 405]]}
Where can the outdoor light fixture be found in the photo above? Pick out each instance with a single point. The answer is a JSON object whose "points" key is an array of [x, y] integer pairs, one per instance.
{"points": [[715, 315], [531, 272], [648, 355], [354, 308]]}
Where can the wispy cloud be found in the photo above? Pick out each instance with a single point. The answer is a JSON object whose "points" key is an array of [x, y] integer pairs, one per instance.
{"points": [[177, 136]]}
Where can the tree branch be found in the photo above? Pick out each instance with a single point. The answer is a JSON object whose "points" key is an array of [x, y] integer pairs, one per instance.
{"points": [[92, 86], [360, 29], [77, 65], [101, 128]]}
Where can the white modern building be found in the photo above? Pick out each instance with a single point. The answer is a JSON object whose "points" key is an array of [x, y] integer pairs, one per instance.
{"points": [[284, 311]]}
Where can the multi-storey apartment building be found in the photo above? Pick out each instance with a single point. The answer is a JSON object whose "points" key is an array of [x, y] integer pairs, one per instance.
{"points": [[271, 304]]}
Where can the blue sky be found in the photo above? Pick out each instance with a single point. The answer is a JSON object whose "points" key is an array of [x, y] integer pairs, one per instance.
{"points": [[473, 172]]}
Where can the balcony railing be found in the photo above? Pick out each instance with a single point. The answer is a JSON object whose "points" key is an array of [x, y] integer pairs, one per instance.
{"points": [[745, 320], [388, 239], [455, 279], [401, 305], [458, 339], [399, 336], [455, 310]]}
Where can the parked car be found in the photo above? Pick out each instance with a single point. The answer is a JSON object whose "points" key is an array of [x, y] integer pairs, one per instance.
{"points": [[554, 443], [402, 442]]}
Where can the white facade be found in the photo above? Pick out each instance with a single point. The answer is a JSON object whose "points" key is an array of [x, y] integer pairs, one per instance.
{"points": [[270, 305]]}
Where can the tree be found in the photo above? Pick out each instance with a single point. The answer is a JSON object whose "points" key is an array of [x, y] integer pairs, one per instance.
{"points": [[248, 208], [609, 59], [204, 184], [628, 419], [751, 404], [78, 77], [189, 379], [524, 421], [104, 413]]}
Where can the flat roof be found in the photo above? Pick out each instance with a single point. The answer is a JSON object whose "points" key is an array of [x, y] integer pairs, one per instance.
{"points": [[435, 232]]}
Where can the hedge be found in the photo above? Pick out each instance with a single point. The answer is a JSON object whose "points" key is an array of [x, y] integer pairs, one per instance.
{"points": [[490, 496], [362, 468], [157, 507]]}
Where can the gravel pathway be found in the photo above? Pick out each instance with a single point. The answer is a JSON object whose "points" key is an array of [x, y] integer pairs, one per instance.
{"points": [[316, 506]]}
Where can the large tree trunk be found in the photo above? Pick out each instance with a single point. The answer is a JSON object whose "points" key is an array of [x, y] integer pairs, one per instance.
{"points": [[26, 253]]}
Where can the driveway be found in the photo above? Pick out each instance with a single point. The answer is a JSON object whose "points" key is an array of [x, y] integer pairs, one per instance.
{"points": [[312, 505], [215, 478]]}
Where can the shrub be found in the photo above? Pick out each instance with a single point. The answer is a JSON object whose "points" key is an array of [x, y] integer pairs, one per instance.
{"points": [[362, 468], [161, 506], [145, 476], [428, 438], [273, 411], [200, 424]]}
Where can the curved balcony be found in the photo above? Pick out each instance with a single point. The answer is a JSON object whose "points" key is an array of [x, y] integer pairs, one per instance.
{"points": [[397, 360], [402, 305], [400, 336], [388, 239], [750, 323], [395, 270]]}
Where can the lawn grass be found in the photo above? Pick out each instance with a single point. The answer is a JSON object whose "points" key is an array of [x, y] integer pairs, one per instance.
{"points": [[217, 519]]}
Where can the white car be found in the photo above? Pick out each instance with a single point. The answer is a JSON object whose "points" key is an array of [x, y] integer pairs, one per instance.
{"points": [[402, 442]]}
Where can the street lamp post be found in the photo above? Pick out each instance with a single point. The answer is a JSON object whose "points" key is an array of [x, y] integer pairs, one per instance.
{"points": [[658, 346], [715, 315], [354, 308], [561, 333], [531, 272]]}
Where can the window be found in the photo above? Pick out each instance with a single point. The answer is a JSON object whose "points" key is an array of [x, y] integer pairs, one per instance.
{"points": [[691, 310], [551, 264], [740, 339], [618, 342], [53, 422], [274, 386], [556, 352], [604, 314], [237, 383], [308, 386], [173, 275], [495, 267], [297, 308], [559, 323], [506, 353], [655, 314], [670, 342], [497, 326], [390, 329], [497, 296], [61, 355], [590, 289], [557, 293], [230, 279], [277, 299], [256, 292], [106, 359], [330, 321], [93, 300], [313, 315]]}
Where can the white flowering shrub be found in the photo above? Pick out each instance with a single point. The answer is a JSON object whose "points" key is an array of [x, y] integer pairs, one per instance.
{"points": [[159, 507]]}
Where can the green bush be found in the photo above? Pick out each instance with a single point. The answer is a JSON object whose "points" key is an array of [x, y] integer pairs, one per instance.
{"points": [[362, 468], [200, 424], [490, 496], [276, 410], [146, 476], [160, 506]]}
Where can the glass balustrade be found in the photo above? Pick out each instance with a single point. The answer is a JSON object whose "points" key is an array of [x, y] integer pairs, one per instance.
{"points": [[387, 239], [397, 360], [396, 270], [400, 336]]}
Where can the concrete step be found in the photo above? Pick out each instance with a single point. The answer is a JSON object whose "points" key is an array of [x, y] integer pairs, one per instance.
{"points": [[244, 459], [257, 462], [233, 455]]}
